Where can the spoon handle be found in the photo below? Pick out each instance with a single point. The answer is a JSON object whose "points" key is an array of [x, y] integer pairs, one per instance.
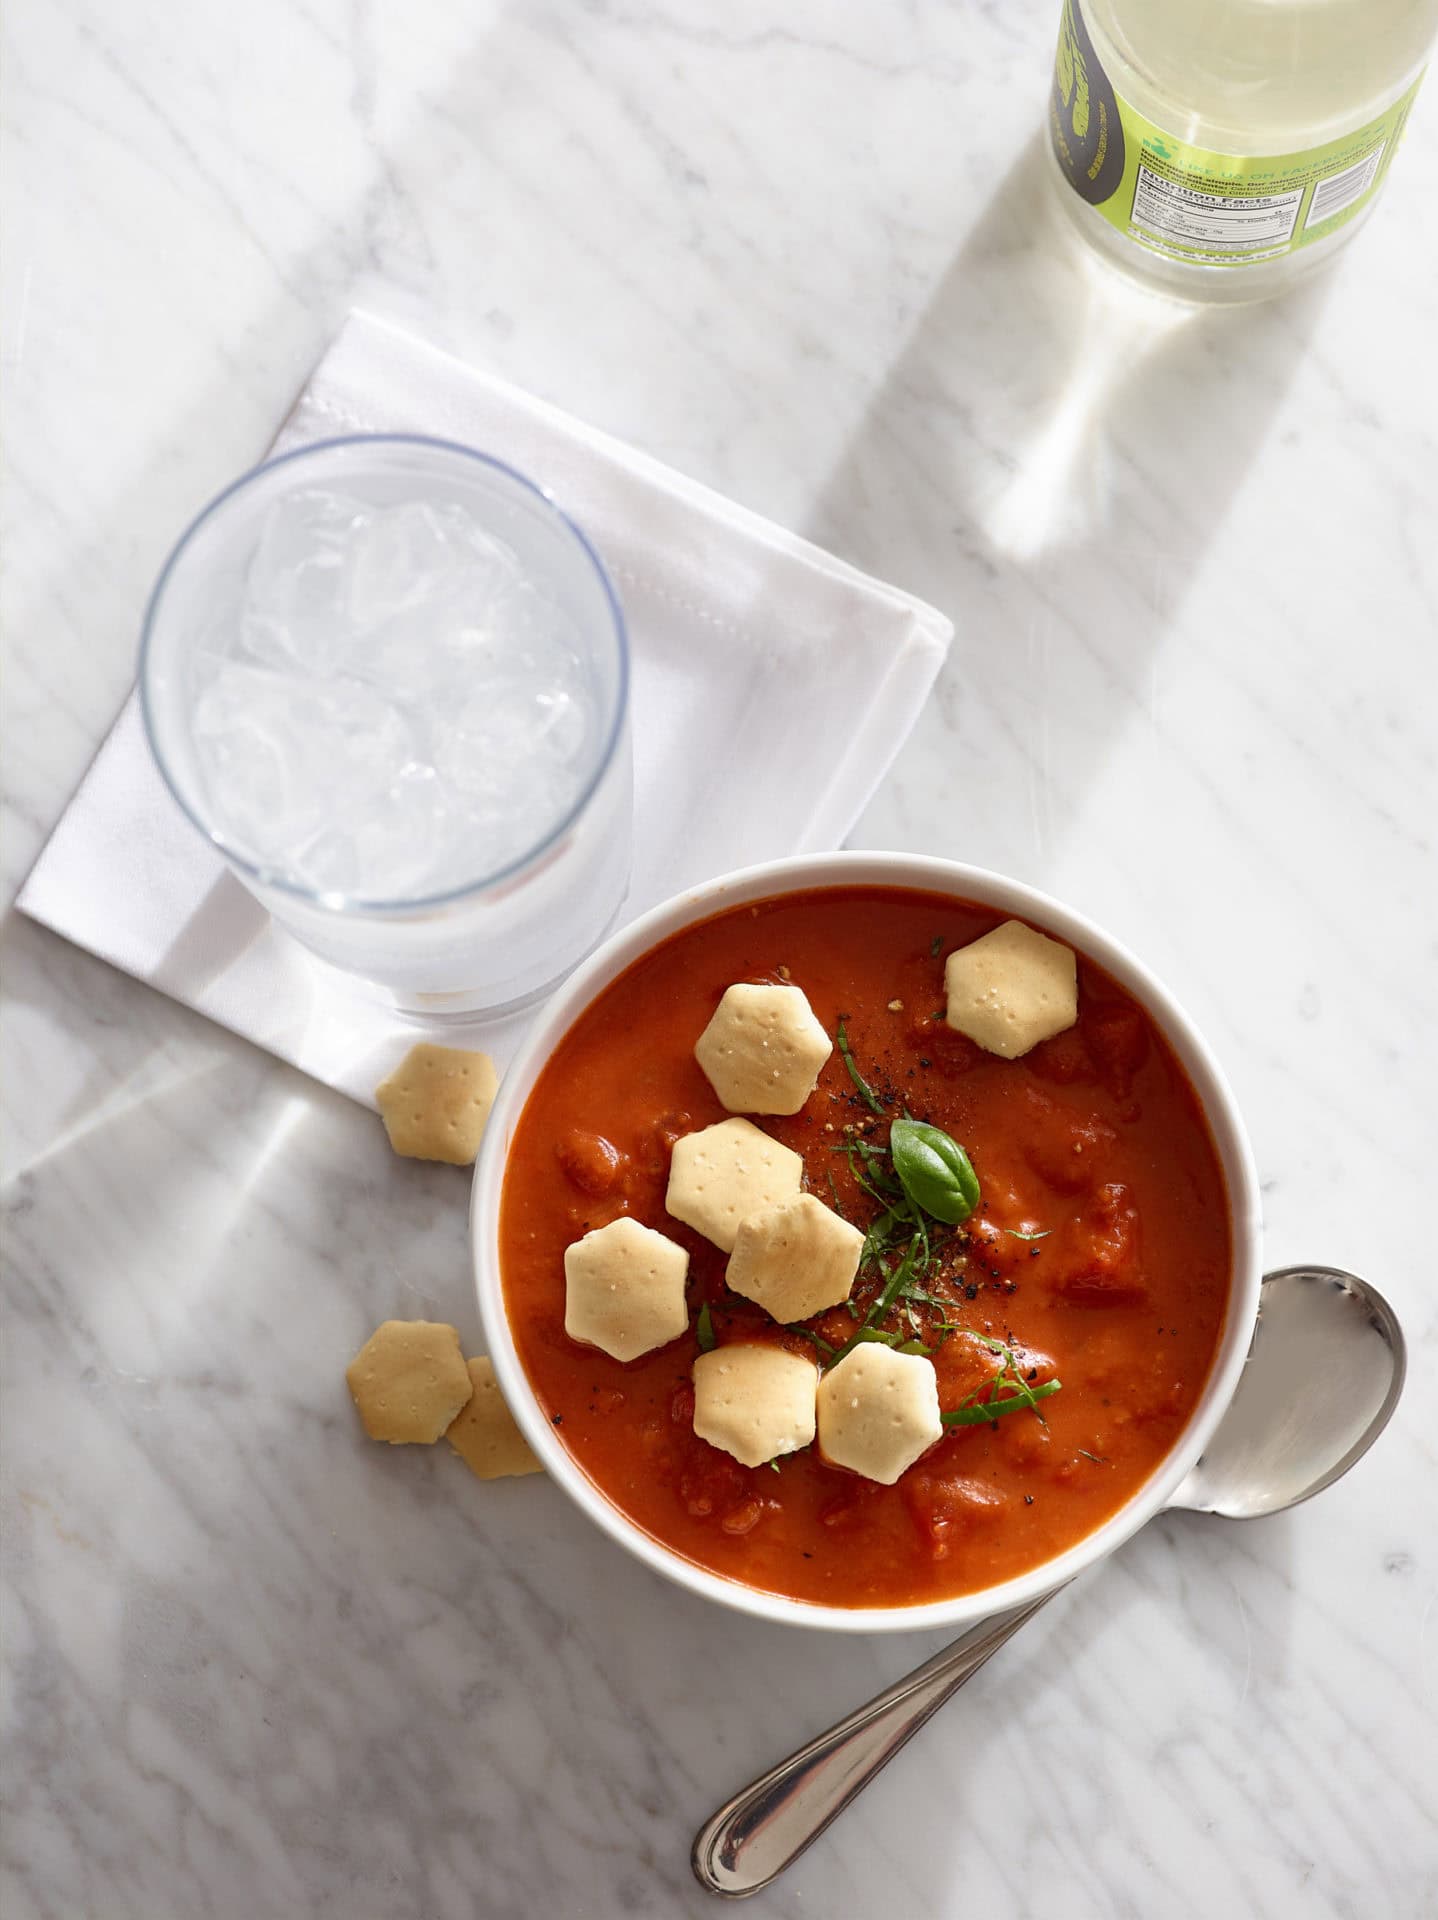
{"points": [[753, 1837]]}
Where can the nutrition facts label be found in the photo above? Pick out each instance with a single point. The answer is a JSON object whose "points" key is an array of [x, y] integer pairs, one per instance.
{"points": [[1189, 220]]}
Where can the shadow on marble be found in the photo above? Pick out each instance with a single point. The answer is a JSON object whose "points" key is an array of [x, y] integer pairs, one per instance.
{"points": [[1048, 460], [87, 1044]]}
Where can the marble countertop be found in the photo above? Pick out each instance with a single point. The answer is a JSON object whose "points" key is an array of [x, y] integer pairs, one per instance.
{"points": [[256, 1668]]}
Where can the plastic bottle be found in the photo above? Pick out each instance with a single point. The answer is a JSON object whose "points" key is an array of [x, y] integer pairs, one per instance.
{"points": [[1223, 149]]}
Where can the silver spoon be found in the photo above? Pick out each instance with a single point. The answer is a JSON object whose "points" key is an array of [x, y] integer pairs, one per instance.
{"points": [[1322, 1378]]}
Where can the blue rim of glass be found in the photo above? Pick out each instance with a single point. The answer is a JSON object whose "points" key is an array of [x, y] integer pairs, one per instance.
{"points": [[340, 904]]}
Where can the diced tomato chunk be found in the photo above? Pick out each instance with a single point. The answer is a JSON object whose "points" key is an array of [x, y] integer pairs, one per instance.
{"points": [[1024, 1439], [743, 1518], [945, 1505], [653, 1156], [964, 1365], [852, 1504], [839, 1513], [1065, 1060], [1118, 1041], [993, 1251], [1065, 1148], [1109, 1271], [712, 1483], [949, 1053], [591, 1162]]}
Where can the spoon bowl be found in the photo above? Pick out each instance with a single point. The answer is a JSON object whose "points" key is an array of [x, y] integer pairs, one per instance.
{"points": [[1321, 1381], [1323, 1375], [1324, 1372]]}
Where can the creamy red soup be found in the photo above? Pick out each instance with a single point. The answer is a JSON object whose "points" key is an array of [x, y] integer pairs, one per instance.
{"points": [[1098, 1256]]}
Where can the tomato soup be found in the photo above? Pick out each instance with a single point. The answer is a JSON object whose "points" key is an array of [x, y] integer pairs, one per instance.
{"points": [[1099, 1254]]}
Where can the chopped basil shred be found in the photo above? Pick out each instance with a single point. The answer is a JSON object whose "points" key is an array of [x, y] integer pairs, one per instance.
{"points": [[808, 1333], [978, 1413], [1005, 1392], [865, 1091], [892, 1290], [705, 1330]]}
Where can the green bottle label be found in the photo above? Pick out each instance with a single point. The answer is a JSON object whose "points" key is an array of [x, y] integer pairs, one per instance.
{"points": [[1189, 203]]}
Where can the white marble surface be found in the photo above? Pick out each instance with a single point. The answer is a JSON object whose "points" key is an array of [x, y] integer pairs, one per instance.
{"points": [[256, 1668]]}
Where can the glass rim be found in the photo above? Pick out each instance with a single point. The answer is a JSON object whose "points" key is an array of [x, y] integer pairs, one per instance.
{"points": [[331, 900]]}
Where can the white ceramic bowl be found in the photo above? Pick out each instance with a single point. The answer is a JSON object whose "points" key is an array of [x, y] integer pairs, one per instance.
{"points": [[930, 876]]}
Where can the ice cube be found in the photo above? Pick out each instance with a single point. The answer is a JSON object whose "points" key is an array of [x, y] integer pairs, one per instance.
{"points": [[390, 850], [562, 725], [281, 756], [297, 586], [404, 711], [255, 784], [423, 583], [421, 557], [401, 558]]}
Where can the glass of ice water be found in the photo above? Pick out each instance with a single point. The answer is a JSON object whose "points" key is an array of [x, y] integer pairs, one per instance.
{"points": [[389, 679]]}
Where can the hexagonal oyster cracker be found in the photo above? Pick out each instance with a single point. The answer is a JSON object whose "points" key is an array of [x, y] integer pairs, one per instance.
{"points": [[485, 1434], [436, 1103], [755, 1402], [1011, 989], [795, 1259], [409, 1381], [624, 1289], [878, 1411], [763, 1049], [721, 1174]]}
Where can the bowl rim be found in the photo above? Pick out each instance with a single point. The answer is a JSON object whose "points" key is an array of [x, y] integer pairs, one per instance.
{"points": [[802, 873]]}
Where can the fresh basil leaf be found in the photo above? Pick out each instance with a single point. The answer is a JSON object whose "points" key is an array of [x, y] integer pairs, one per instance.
{"points": [[933, 1170], [706, 1330]]}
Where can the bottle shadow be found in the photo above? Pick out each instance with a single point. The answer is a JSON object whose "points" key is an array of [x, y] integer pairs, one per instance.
{"points": [[1050, 460]]}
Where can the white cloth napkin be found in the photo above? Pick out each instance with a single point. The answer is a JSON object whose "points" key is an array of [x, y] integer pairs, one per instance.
{"points": [[772, 687]]}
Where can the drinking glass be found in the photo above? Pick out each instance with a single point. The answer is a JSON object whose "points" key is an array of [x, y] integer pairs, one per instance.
{"points": [[387, 678]]}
